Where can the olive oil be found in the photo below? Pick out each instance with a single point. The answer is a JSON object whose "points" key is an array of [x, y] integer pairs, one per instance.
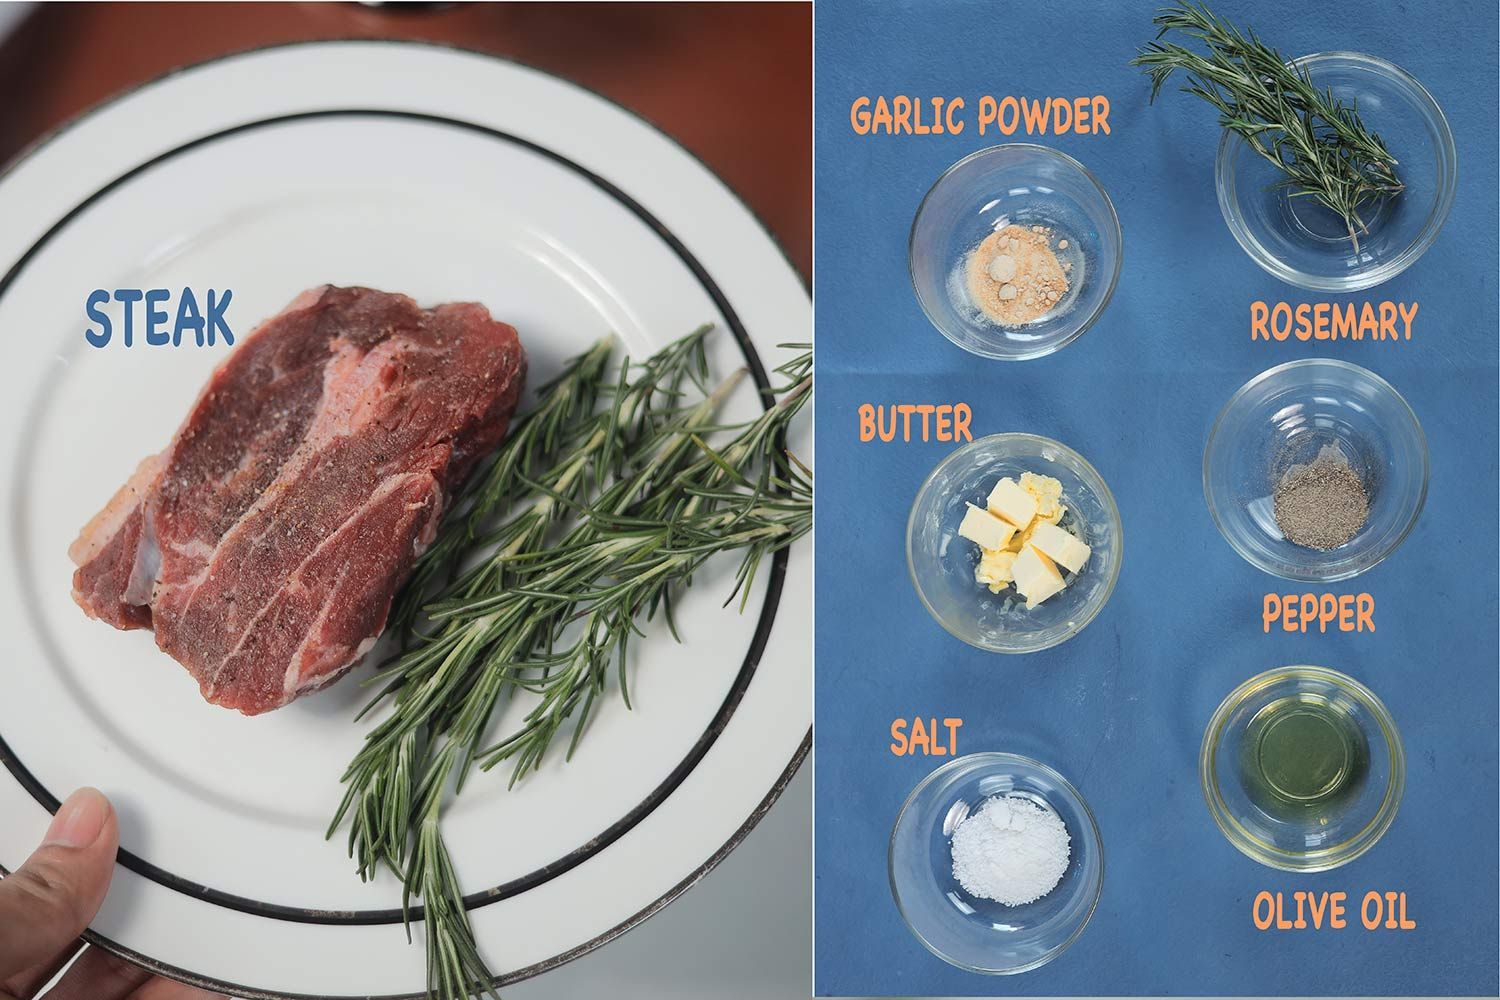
{"points": [[1303, 754]]}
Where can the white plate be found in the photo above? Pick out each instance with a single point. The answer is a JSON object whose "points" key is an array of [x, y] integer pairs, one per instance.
{"points": [[448, 176]]}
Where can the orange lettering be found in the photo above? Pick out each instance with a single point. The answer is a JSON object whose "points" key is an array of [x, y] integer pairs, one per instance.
{"points": [[1328, 607], [954, 127], [1261, 910], [901, 108], [935, 421], [1407, 317], [1080, 115], [1319, 906], [1281, 320], [1330, 612], [1332, 320], [1336, 911], [1282, 923], [1387, 321], [988, 112], [1101, 114], [1320, 321], [920, 737], [961, 417], [1062, 115], [1036, 114], [925, 409], [898, 737], [859, 116], [1259, 313], [1344, 324], [1009, 104], [1270, 611]]}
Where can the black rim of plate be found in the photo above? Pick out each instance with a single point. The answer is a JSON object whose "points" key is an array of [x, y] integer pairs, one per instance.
{"points": [[619, 828]]}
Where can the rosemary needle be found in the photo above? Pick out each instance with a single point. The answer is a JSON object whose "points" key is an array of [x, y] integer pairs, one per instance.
{"points": [[1319, 143], [600, 506]]}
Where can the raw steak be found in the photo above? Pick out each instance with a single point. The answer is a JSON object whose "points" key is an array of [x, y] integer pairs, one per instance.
{"points": [[265, 545]]}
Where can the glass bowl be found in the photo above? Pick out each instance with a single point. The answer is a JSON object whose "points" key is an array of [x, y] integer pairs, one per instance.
{"points": [[1287, 415], [1290, 823], [976, 934], [1027, 185], [1307, 245], [942, 564]]}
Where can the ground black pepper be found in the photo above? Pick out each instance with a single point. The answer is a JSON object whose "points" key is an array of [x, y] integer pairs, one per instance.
{"points": [[1321, 505]]}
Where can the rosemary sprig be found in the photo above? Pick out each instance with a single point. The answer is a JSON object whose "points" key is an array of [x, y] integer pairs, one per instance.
{"points": [[634, 560], [1320, 143], [641, 501], [567, 421]]}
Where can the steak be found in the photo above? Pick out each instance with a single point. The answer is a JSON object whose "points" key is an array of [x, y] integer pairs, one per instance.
{"points": [[264, 546]]}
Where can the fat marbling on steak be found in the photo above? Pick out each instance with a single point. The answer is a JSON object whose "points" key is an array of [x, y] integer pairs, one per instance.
{"points": [[265, 544]]}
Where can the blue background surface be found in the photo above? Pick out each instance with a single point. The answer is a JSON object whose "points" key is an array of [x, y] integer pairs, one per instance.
{"points": [[1120, 709]]}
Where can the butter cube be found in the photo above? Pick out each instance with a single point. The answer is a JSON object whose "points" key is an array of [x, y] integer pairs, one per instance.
{"points": [[994, 570], [985, 529], [1048, 493], [1060, 546], [1036, 578], [1009, 501], [1021, 538]]}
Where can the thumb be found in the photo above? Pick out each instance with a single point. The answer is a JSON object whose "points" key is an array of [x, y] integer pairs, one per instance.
{"points": [[47, 902]]}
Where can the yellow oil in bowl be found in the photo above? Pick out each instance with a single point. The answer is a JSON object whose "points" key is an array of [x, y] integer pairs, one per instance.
{"points": [[1302, 754]]}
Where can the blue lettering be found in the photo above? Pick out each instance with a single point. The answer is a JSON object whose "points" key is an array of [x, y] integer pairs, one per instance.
{"points": [[188, 318], [163, 323], [100, 337], [128, 296], [216, 319], [156, 318]]}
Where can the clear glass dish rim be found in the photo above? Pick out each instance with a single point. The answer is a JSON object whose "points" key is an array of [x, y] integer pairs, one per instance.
{"points": [[1322, 859], [1383, 553], [1106, 497], [1434, 223], [1109, 291], [997, 758]]}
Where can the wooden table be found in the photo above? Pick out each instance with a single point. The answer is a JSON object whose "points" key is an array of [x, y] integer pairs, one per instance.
{"points": [[731, 82]]}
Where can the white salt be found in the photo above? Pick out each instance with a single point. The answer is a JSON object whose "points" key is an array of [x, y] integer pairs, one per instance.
{"points": [[1010, 850]]}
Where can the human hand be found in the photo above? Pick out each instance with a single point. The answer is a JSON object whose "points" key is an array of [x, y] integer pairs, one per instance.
{"points": [[47, 902]]}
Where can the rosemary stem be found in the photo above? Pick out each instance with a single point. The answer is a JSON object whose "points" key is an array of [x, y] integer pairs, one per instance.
{"points": [[1319, 143], [549, 610]]}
